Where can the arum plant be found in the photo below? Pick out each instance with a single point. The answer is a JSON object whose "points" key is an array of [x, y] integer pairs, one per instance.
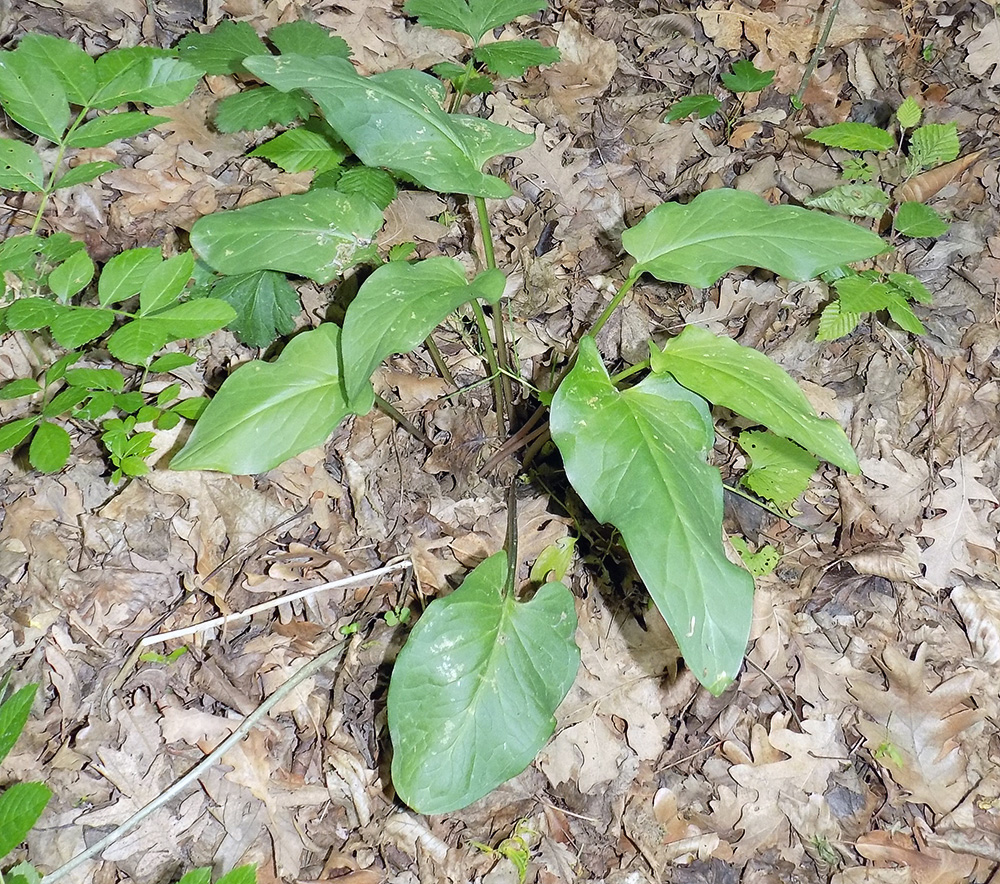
{"points": [[474, 691]]}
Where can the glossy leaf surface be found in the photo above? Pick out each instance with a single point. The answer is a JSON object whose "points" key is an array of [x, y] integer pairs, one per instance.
{"points": [[267, 412], [317, 234], [754, 386], [474, 691], [638, 460], [395, 120], [722, 229]]}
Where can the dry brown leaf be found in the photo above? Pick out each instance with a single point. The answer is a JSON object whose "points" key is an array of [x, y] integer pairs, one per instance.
{"points": [[927, 865], [983, 51], [979, 604], [905, 479], [920, 726]]}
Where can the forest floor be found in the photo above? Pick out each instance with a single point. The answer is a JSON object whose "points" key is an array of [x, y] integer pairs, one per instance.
{"points": [[859, 742]]}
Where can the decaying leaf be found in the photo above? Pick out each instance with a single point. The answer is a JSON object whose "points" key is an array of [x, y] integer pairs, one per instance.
{"points": [[979, 604]]}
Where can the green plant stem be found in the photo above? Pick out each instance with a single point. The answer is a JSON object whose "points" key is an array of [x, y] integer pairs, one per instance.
{"points": [[606, 314], [814, 60], [439, 362], [324, 659], [50, 184], [628, 372], [456, 99], [491, 364], [403, 421], [511, 540]]}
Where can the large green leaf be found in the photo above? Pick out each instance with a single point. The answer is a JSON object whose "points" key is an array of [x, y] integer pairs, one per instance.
{"points": [[473, 691], [317, 234], [20, 167], [222, 50], [395, 120], [638, 460], [472, 17], [20, 807], [265, 305], [32, 95], [754, 386], [13, 715], [722, 229], [74, 68], [265, 413], [142, 73], [399, 305]]}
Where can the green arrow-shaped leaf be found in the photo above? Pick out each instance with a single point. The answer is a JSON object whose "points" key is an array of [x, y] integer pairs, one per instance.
{"points": [[317, 234], [638, 460], [473, 691], [754, 386], [396, 120], [399, 305], [722, 229], [265, 413]]}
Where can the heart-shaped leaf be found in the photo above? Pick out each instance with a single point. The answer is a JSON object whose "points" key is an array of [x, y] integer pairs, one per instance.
{"points": [[317, 234], [722, 229], [265, 413], [395, 120], [399, 305], [473, 691], [638, 460], [754, 386]]}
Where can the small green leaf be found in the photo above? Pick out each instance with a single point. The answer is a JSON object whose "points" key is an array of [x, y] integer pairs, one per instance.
{"points": [[835, 322], [397, 307], [15, 432], [124, 274], [638, 460], [910, 287], [918, 221], [75, 326], [65, 401], [60, 246], [265, 303], [197, 876], [309, 39], [862, 293], [171, 361], [265, 413], [747, 78], [908, 113], [932, 145], [48, 452], [84, 172], [858, 200], [129, 403], [143, 74], [13, 714], [192, 319], [74, 68], [754, 386], [98, 405], [165, 283], [779, 470], [375, 185], [395, 120], [191, 408], [20, 807], [902, 314], [244, 874], [23, 873], [222, 50], [757, 563], [20, 167], [30, 313], [317, 234], [103, 130], [18, 253], [17, 389], [71, 277], [57, 371], [96, 379], [260, 107], [722, 229], [303, 148], [136, 341], [854, 136], [473, 692], [513, 58], [554, 560], [32, 95], [475, 84], [472, 17], [702, 105]]}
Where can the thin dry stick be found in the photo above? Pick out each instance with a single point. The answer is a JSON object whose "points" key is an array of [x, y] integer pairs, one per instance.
{"points": [[313, 666]]}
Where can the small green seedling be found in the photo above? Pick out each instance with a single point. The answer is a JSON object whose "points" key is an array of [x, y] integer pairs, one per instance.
{"points": [[759, 563], [516, 848], [164, 659], [743, 78], [398, 616]]}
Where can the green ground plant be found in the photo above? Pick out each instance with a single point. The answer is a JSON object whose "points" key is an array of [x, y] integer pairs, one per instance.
{"points": [[742, 78], [474, 690]]}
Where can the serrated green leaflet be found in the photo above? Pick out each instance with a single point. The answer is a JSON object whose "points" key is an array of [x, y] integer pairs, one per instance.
{"points": [[20, 807], [265, 305], [96, 379], [303, 148], [932, 145], [15, 432], [137, 341], [474, 690], [395, 120], [265, 413], [84, 172], [638, 460], [309, 39], [854, 136], [15, 390], [73, 327], [375, 185], [13, 715], [261, 107], [747, 78], [33, 96], [835, 322], [222, 50], [779, 470], [30, 313], [908, 114], [512, 58], [702, 105], [722, 229], [918, 220], [472, 17], [858, 200], [754, 386], [111, 127], [72, 275], [317, 234], [74, 68], [165, 282], [152, 76], [20, 166], [399, 305], [123, 275]]}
